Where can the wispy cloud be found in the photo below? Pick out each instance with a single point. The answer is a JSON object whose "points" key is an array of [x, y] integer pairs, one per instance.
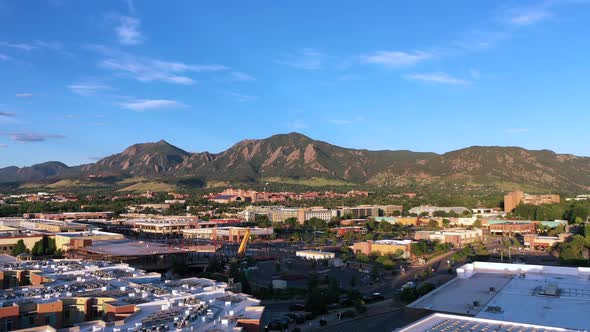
{"points": [[241, 97], [128, 31], [141, 105], [7, 114], [396, 58], [37, 44], [19, 46], [524, 16], [88, 88], [24, 95], [146, 69], [131, 7], [55, 46], [341, 122], [4, 57], [516, 130], [308, 59], [437, 77], [297, 125], [30, 137], [237, 76], [94, 158], [2, 146]]}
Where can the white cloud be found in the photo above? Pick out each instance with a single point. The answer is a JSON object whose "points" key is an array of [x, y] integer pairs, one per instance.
{"points": [[88, 89], [438, 77], [516, 130], [128, 31], [146, 69], [55, 46], [37, 44], [141, 105], [241, 97], [237, 76], [396, 58], [24, 95], [528, 17], [20, 46], [308, 59]]}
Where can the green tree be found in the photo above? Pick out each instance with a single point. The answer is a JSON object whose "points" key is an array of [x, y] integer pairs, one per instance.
{"points": [[19, 248], [432, 224], [44, 247], [574, 251]]}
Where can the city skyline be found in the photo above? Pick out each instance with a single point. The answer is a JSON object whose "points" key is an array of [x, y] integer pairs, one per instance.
{"points": [[82, 82]]}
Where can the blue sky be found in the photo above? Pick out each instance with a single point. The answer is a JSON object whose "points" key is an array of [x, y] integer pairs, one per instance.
{"points": [[80, 80]]}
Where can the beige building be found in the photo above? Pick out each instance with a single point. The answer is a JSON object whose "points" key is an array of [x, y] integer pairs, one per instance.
{"points": [[384, 247], [513, 199], [65, 241], [456, 237]]}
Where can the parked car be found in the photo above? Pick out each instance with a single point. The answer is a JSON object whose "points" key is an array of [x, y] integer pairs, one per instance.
{"points": [[297, 307]]}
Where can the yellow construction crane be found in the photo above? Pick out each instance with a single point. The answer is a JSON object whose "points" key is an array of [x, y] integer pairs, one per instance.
{"points": [[244, 243]]}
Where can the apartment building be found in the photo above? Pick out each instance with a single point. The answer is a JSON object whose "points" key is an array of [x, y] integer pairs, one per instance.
{"points": [[513, 199]]}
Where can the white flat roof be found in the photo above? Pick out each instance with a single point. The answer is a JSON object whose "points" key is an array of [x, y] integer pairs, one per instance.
{"points": [[399, 242], [518, 296], [446, 323]]}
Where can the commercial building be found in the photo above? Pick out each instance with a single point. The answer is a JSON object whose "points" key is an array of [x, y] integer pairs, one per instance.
{"points": [[304, 215], [456, 237], [8, 242], [99, 296], [315, 255], [510, 227], [142, 207], [69, 216], [384, 247], [161, 227], [544, 242], [341, 231], [431, 209], [74, 240], [228, 234], [513, 199], [515, 293], [282, 214]]}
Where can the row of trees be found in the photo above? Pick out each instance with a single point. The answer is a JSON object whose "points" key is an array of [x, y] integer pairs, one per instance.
{"points": [[44, 247], [576, 212]]}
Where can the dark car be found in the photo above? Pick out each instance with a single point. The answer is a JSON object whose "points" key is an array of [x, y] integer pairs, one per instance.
{"points": [[275, 325], [347, 303], [298, 318], [297, 307]]}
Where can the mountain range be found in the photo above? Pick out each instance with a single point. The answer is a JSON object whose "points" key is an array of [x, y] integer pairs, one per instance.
{"points": [[287, 157]]}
